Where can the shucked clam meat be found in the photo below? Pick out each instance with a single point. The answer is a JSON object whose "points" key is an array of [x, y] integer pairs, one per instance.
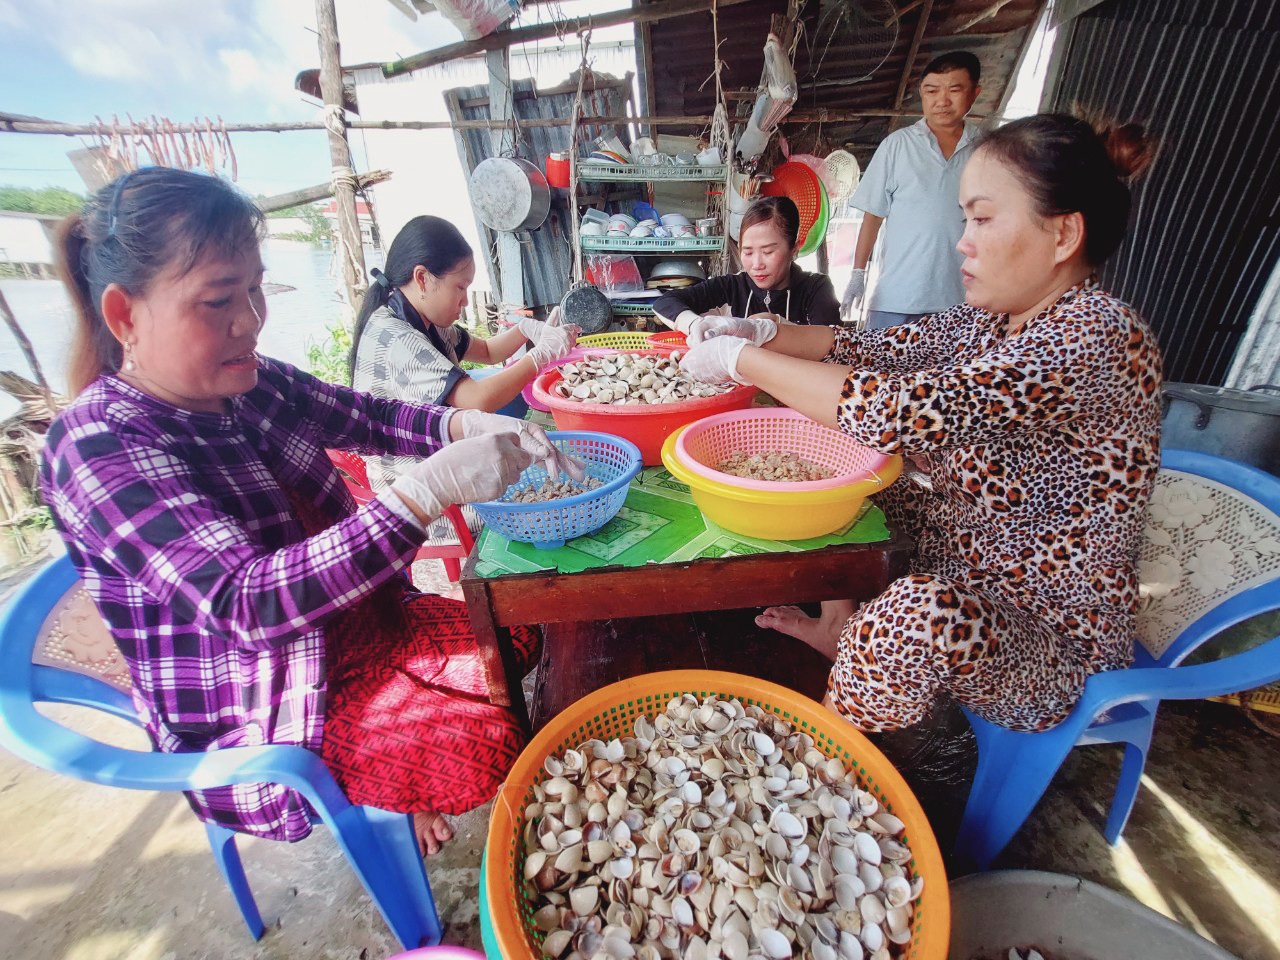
{"points": [[631, 379], [715, 831]]}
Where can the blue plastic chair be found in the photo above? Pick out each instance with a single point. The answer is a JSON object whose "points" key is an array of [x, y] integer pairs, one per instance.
{"points": [[380, 845], [1119, 706]]}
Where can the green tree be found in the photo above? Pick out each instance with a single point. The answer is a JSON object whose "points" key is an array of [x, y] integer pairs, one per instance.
{"points": [[318, 227], [48, 200]]}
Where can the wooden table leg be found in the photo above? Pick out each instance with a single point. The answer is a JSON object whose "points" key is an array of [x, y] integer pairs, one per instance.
{"points": [[497, 652]]}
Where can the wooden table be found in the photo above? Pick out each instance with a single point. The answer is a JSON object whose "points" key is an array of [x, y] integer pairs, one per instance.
{"points": [[844, 571]]}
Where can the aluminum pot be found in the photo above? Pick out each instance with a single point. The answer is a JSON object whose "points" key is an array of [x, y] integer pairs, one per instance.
{"points": [[586, 307], [1241, 425], [510, 194]]}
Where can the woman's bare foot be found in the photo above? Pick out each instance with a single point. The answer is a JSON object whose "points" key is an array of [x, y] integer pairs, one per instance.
{"points": [[822, 633], [432, 831]]}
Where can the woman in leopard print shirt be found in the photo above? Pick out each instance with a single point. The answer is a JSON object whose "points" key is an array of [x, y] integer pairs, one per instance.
{"points": [[1035, 411]]}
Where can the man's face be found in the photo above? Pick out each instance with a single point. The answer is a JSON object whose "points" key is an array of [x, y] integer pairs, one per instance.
{"points": [[947, 97]]}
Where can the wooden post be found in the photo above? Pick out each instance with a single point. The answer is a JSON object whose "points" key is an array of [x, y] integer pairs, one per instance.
{"points": [[501, 105], [351, 251], [28, 350]]}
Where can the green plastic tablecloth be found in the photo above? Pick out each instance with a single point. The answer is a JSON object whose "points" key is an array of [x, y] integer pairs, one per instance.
{"points": [[658, 523]]}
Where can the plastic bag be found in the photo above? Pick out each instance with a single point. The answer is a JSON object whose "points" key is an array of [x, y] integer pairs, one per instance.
{"points": [[614, 273], [477, 18]]}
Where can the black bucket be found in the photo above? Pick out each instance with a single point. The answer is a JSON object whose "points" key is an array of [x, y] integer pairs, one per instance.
{"points": [[1241, 425]]}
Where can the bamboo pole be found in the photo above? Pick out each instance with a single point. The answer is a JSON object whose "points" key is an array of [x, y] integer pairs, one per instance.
{"points": [[921, 23], [283, 201], [541, 31], [340, 153], [28, 350], [93, 129]]}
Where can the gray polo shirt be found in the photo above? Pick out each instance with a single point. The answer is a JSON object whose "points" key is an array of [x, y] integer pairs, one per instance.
{"points": [[917, 192]]}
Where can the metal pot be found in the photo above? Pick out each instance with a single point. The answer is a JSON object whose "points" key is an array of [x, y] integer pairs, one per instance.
{"points": [[510, 194], [1241, 425], [586, 307]]}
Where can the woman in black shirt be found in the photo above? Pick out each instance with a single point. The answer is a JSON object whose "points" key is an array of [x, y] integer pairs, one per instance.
{"points": [[770, 284]]}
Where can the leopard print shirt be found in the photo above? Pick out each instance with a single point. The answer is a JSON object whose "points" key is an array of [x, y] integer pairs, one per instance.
{"points": [[1042, 447]]}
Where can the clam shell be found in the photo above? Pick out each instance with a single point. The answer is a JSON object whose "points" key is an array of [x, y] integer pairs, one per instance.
{"points": [[774, 944]]}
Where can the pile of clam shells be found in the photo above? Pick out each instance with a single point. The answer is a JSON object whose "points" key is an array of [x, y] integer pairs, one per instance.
{"points": [[776, 465], [631, 379], [716, 831], [551, 489]]}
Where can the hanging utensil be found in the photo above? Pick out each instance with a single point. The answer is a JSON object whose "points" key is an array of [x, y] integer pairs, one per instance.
{"points": [[510, 194], [586, 307]]}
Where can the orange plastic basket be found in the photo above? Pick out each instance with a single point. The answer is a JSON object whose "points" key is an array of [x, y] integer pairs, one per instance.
{"points": [[668, 340], [645, 425], [801, 184], [611, 711]]}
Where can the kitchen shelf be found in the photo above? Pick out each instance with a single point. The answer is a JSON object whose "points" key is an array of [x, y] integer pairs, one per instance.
{"points": [[633, 309], [638, 173], [651, 244]]}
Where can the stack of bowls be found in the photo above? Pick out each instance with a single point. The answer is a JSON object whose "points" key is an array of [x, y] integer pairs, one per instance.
{"points": [[621, 225], [678, 224]]}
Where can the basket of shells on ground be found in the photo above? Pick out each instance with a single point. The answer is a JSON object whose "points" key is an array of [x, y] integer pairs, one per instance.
{"points": [[641, 395], [775, 474], [701, 815], [546, 511]]}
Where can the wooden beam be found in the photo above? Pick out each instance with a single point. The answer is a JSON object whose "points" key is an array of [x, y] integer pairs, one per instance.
{"points": [[28, 351], [921, 23], [541, 31], [93, 129], [352, 254], [283, 201], [501, 142], [1023, 48]]}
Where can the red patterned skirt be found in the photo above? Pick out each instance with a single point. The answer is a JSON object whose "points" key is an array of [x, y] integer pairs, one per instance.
{"points": [[408, 725]]}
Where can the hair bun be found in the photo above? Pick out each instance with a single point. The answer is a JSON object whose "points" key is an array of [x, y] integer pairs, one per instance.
{"points": [[1130, 149]]}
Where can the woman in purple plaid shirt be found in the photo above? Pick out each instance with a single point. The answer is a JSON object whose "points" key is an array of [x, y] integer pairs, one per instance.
{"points": [[253, 602]]}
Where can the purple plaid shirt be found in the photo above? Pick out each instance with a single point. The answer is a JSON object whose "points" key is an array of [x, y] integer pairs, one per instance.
{"points": [[180, 528]]}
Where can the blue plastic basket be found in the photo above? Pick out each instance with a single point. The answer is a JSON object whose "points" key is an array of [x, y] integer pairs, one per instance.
{"points": [[611, 460]]}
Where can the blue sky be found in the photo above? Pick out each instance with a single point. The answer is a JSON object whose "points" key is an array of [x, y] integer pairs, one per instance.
{"points": [[74, 60]]}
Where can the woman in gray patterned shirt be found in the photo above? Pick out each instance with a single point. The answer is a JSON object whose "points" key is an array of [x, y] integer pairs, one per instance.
{"points": [[409, 346]]}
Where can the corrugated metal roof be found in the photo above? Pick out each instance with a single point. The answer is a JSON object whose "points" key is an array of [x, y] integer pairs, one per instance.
{"points": [[830, 66], [546, 259], [1205, 235]]}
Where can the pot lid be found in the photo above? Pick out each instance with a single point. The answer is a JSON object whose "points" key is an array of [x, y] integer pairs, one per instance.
{"points": [[1263, 400]]}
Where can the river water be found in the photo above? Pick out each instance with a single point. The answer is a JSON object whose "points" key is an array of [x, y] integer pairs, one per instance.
{"points": [[295, 318]]}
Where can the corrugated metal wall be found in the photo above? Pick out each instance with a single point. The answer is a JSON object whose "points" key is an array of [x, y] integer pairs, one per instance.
{"points": [[1202, 74], [547, 256]]}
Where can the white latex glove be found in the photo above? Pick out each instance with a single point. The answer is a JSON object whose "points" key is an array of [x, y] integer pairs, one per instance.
{"points": [[759, 330], [466, 471], [532, 439], [552, 344], [714, 360], [854, 293], [532, 328]]}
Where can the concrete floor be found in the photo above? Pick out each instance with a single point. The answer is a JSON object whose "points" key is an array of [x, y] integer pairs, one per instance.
{"points": [[92, 873]]}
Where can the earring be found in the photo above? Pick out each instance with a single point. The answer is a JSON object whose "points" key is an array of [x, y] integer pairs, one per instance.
{"points": [[130, 364]]}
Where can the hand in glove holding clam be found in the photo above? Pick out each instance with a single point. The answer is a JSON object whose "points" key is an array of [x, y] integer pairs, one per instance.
{"points": [[531, 438], [468, 470], [549, 341], [715, 360]]}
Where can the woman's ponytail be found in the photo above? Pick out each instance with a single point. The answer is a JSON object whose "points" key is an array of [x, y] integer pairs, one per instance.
{"points": [[94, 351], [375, 296]]}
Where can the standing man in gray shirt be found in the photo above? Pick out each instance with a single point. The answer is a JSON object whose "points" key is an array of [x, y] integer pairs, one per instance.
{"points": [[912, 186]]}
